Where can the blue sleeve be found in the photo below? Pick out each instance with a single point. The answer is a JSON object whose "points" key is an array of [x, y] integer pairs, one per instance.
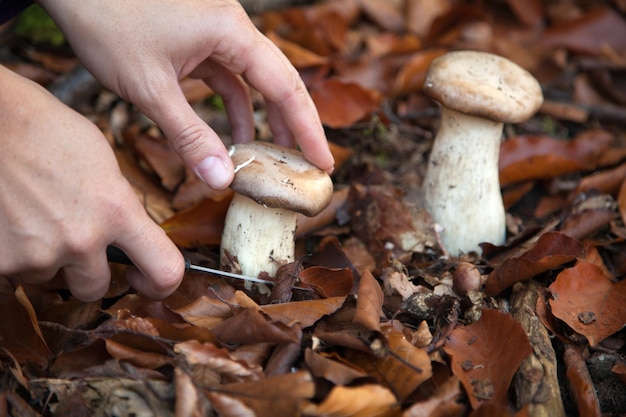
{"points": [[11, 8]]}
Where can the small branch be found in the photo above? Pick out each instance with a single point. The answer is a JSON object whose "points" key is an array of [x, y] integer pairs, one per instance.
{"points": [[536, 382]]}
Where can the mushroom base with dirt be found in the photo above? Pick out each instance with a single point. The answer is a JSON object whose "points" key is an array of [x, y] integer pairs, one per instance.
{"points": [[247, 236], [272, 185]]}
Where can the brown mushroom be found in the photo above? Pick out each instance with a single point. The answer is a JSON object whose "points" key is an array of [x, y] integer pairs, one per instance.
{"points": [[272, 185], [478, 92]]}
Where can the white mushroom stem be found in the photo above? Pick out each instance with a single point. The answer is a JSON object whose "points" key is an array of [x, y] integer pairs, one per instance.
{"points": [[262, 238], [462, 188]]}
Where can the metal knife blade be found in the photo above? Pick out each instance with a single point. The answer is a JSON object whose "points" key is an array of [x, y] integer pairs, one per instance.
{"points": [[116, 255]]}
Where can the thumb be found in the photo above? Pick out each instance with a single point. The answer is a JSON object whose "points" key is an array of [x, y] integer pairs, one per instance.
{"points": [[196, 143]]}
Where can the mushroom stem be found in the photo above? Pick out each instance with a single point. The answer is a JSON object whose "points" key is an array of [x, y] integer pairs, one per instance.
{"points": [[462, 188], [262, 238]]}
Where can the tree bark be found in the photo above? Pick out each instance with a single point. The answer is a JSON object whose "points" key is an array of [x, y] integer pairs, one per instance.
{"points": [[536, 382]]}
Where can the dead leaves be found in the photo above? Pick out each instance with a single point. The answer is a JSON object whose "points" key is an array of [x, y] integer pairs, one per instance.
{"points": [[480, 350], [589, 302]]}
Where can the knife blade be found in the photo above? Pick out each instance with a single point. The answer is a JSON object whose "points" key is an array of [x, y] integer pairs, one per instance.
{"points": [[118, 256]]}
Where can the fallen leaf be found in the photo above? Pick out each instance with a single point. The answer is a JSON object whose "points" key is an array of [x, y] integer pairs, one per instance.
{"points": [[360, 401], [303, 313], [551, 250], [201, 224], [369, 303], [403, 369], [215, 359], [593, 32], [580, 381], [486, 354], [254, 326], [411, 76], [444, 402], [283, 395], [300, 57], [341, 104], [524, 158], [332, 367], [19, 329], [621, 200], [385, 13], [588, 302]]}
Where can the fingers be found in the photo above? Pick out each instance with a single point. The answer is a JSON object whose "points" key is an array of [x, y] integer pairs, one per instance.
{"points": [[88, 280], [159, 264], [196, 143], [236, 98], [266, 69]]}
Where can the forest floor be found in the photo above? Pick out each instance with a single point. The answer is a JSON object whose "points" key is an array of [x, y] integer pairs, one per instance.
{"points": [[388, 323]]}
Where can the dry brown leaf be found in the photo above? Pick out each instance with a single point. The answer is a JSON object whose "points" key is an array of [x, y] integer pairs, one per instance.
{"points": [[283, 395], [303, 313], [369, 304], [162, 158], [551, 250], [524, 158], [580, 381], [215, 359], [444, 402], [420, 14], [332, 367], [402, 370], [21, 335], [201, 224], [341, 104], [360, 401], [387, 14], [253, 326], [589, 302], [328, 282], [486, 354], [592, 33], [411, 76], [300, 57], [621, 200]]}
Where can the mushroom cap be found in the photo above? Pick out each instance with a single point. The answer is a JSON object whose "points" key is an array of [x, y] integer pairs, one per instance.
{"points": [[280, 177], [483, 85]]}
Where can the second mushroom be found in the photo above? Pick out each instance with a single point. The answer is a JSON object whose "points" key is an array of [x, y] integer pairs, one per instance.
{"points": [[272, 185], [478, 92]]}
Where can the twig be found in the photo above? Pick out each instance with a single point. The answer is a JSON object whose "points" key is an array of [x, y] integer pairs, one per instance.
{"points": [[536, 381]]}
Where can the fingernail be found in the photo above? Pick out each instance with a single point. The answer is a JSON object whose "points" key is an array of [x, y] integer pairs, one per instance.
{"points": [[214, 172]]}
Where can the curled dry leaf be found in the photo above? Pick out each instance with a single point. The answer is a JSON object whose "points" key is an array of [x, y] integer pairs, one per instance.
{"points": [[485, 355], [328, 282], [283, 395], [210, 357], [21, 335], [359, 401], [589, 302], [303, 313], [200, 224], [252, 325], [524, 158], [403, 369], [332, 367], [593, 32], [341, 104], [552, 250]]}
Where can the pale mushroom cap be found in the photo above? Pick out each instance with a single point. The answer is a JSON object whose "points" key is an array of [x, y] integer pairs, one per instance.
{"points": [[275, 176], [483, 85]]}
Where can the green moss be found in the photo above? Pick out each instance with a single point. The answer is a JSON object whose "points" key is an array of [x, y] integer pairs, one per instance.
{"points": [[38, 27], [216, 101]]}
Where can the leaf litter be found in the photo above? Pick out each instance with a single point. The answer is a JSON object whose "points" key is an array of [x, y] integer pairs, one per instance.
{"points": [[388, 323]]}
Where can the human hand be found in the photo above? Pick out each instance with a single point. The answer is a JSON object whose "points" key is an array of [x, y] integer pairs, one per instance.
{"points": [[142, 49], [63, 200]]}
